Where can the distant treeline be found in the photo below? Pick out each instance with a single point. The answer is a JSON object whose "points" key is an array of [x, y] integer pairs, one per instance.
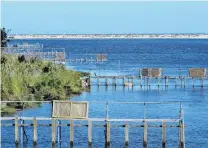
{"points": [[34, 79]]}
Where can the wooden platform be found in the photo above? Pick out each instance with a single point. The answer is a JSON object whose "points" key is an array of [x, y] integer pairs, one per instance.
{"points": [[108, 123]]}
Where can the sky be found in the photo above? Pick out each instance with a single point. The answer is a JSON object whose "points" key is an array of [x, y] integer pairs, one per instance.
{"points": [[135, 17]]}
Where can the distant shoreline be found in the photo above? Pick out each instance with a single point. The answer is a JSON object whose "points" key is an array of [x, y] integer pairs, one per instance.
{"points": [[113, 36]]}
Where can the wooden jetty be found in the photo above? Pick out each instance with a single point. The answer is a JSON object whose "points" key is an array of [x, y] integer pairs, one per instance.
{"points": [[149, 75], [88, 58], [108, 123]]}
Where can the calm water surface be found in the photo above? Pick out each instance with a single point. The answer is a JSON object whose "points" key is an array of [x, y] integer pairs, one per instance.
{"points": [[125, 57]]}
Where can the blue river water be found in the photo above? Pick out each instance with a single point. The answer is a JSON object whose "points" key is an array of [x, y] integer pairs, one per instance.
{"points": [[125, 57]]}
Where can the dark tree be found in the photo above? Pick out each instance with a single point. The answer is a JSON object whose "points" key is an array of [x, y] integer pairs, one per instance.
{"points": [[4, 39]]}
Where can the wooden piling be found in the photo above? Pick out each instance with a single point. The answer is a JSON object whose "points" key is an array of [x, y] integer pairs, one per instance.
{"points": [[123, 81], [108, 133], [115, 81], [126, 134], [175, 81], [89, 133], [145, 135], [21, 131], [59, 131], [53, 136], [106, 81], [163, 134], [181, 80], [34, 131], [184, 81], [158, 82], [98, 81], [181, 135], [132, 81], [16, 131], [71, 132], [202, 82]]}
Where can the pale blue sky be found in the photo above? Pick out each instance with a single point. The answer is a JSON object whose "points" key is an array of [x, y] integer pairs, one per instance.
{"points": [[105, 17]]}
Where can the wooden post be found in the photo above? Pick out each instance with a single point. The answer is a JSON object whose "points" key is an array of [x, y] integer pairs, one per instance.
{"points": [[140, 80], [21, 131], [181, 134], [89, 133], [184, 81], [98, 81], [163, 134], [53, 136], [16, 131], [108, 133], [106, 81], [145, 135], [34, 131], [71, 133], [132, 81], [181, 80], [202, 82], [158, 83], [126, 134], [175, 81], [89, 81], [166, 81], [123, 81], [59, 131]]}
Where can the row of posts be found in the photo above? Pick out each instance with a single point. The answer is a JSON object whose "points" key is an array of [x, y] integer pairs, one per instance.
{"points": [[107, 133], [147, 81]]}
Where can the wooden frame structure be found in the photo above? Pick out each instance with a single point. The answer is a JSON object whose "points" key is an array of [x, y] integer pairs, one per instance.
{"points": [[108, 124]]}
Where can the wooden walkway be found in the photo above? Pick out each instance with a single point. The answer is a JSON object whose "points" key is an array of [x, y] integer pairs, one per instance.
{"points": [[108, 123], [144, 81]]}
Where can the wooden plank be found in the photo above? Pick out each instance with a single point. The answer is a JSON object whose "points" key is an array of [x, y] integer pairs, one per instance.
{"points": [[53, 136], [163, 135], [126, 134], [16, 131], [89, 132], [71, 132], [35, 131], [145, 135]]}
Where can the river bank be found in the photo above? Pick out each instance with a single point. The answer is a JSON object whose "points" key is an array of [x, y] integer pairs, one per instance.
{"points": [[35, 80]]}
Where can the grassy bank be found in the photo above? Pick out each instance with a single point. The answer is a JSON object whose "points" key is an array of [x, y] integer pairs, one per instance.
{"points": [[34, 79]]}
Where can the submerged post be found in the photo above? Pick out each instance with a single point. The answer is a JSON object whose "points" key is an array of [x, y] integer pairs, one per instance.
{"points": [[126, 134], [163, 134], [53, 136], [175, 81], [184, 81], [89, 132], [181, 125], [34, 131], [16, 131], [98, 81], [71, 133], [108, 133], [123, 81], [145, 135], [202, 82], [106, 81], [21, 131]]}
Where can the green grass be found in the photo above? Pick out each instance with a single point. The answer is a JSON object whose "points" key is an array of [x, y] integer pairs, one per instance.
{"points": [[34, 79]]}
